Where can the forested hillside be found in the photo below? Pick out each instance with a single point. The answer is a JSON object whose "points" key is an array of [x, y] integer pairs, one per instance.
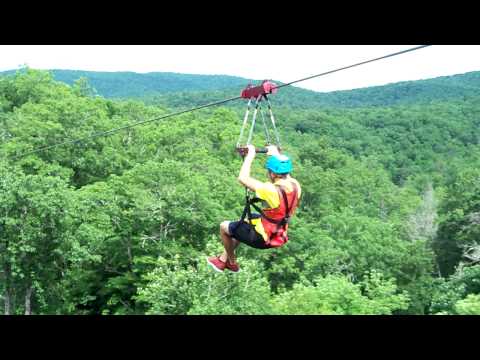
{"points": [[388, 223], [420, 142], [457, 87], [135, 85], [171, 89]]}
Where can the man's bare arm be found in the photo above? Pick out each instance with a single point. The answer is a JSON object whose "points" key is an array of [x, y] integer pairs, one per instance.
{"points": [[244, 176]]}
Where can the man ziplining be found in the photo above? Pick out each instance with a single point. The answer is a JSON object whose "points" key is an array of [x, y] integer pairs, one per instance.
{"points": [[268, 229]]}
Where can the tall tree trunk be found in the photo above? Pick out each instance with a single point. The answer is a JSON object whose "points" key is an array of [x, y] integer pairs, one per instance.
{"points": [[28, 300], [7, 293], [7, 300], [129, 253]]}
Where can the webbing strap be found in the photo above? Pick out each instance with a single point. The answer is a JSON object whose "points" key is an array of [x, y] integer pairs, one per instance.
{"points": [[250, 202], [272, 119], [284, 221], [250, 134], [245, 118], [258, 108]]}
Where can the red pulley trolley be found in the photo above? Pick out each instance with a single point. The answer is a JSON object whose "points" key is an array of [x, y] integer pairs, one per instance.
{"points": [[258, 93]]}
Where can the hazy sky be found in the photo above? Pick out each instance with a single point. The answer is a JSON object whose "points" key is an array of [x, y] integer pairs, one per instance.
{"points": [[281, 62]]}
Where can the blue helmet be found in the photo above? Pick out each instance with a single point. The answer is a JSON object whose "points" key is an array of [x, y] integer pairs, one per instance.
{"points": [[279, 164]]}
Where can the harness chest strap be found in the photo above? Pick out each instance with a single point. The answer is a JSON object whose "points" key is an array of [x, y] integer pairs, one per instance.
{"points": [[288, 209], [280, 223]]}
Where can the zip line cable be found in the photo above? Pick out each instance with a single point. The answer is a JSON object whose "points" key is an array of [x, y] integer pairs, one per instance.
{"points": [[104, 133], [109, 132], [357, 64]]}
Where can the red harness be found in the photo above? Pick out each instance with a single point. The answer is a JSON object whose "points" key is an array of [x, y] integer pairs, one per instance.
{"points": [[275, 220]]}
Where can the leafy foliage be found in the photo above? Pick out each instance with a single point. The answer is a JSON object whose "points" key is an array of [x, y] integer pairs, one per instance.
{"points": [[337, 295], [187, 89], [121, 224]]}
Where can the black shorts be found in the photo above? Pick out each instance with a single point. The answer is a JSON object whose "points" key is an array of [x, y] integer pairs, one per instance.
{"points": [[245, 233]]}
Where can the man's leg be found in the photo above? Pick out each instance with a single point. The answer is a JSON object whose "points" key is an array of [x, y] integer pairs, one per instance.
{"points": [[229, 243]]}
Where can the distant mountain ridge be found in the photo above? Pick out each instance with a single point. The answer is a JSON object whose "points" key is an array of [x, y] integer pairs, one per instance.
{"points": [[131, 84], [182, 89]]}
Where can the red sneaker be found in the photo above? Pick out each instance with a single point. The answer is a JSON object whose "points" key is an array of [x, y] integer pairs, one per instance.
{"points": [[216, 263], [232, 266]]}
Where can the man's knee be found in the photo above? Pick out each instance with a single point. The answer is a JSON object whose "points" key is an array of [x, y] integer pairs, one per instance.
{"points": [[224, 227]]}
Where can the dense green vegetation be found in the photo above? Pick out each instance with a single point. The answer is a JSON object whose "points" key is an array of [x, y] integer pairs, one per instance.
{"points": [[173, 89], [388, 224], [134, 85], [430, 142], [458, 87]]}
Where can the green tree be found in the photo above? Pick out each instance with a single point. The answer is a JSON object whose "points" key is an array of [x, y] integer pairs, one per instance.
{"points": [[468, 306], [196, 289], [337, 295], [459, 224], [33, 209]]}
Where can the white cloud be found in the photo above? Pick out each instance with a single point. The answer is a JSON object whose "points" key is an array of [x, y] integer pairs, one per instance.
{"points": [[281, 62]]}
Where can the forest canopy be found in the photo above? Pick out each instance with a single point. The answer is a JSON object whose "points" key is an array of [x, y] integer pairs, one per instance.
{"points": [[388, 224]]}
